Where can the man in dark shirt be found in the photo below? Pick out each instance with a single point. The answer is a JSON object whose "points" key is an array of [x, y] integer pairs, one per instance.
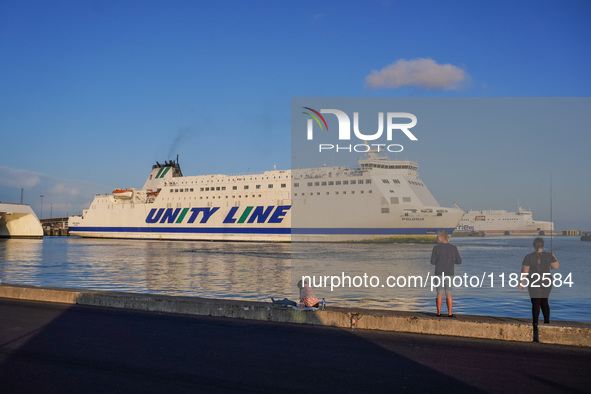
{"points": [[443, 257]]}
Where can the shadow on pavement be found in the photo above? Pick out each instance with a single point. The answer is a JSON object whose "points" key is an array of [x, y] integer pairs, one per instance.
{"points": [[60, 348]]}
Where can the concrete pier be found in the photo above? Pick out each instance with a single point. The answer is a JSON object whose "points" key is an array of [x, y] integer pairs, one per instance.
{"points": [[499, 328], [55, 227]]}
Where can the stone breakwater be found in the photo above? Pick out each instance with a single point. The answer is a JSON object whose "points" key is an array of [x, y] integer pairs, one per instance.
{"points": [[487, 327]]}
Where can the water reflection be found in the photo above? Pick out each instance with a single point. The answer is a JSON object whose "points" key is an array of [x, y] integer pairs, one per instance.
{"points": [[22, 255], [175, 268], [355, 274], [258, 271]]}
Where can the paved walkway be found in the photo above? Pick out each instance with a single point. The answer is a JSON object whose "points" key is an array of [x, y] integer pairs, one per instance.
{"points": [[48, 347]]}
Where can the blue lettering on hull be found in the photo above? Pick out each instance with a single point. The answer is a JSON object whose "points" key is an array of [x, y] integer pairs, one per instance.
{"points": [[259, 214]]}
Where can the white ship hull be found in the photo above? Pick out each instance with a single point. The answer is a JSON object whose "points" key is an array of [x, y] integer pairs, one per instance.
{"points": [[381, 200]]}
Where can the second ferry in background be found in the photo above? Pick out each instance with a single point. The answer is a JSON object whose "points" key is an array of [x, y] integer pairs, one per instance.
{"points": [[504, 223], [381, 200]]}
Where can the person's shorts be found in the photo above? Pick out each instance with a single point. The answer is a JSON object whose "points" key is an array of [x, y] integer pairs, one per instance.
{"points": [[446, 286]]}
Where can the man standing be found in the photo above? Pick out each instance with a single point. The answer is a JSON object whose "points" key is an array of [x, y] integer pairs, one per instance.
{"points": [[443, 257]]}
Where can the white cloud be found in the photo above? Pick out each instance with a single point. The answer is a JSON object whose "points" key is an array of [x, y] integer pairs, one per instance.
{"points": [[16, 177], [424, 73], [62, 188], [60, 196]]}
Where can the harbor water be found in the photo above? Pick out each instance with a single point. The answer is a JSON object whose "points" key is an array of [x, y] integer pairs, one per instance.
{"points": [[259, 271]]}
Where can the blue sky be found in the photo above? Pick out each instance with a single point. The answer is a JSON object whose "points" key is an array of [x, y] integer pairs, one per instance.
{"points": [[92, 93]]}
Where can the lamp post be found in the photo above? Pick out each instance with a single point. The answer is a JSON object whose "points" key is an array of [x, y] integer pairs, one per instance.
{"points": [[42, 205]]}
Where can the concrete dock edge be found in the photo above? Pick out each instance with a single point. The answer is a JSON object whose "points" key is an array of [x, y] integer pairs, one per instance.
{"points": [[500, 328]]}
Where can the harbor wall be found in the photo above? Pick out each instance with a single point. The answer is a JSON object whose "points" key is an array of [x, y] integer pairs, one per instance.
{"points": [[486, 327]]}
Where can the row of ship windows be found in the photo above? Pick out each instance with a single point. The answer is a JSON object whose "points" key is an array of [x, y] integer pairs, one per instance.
{"points": [[226, 180], [353, 182], [482, 219], [270, 186], [328, 193], [221, 188], [283, 185], [389, 166], [214, 197], [333, 183], [398, 182], [259, 196]]}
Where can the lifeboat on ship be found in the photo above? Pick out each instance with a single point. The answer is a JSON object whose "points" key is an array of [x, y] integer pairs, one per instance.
{"points": [[124, 194]]}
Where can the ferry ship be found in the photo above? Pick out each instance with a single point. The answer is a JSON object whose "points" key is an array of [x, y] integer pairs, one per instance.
{"points": [[380, 200], [503, 222]]}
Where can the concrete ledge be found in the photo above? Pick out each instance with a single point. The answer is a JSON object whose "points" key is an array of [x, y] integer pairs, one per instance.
{"points": [[31, 293], [563, 333]]}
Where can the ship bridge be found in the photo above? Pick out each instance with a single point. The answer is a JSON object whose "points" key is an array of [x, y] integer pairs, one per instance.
{"points": [[389, 165], [373, 161]]}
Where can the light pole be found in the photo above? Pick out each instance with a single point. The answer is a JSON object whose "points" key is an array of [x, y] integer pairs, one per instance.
{"points": [[42, 205]]}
